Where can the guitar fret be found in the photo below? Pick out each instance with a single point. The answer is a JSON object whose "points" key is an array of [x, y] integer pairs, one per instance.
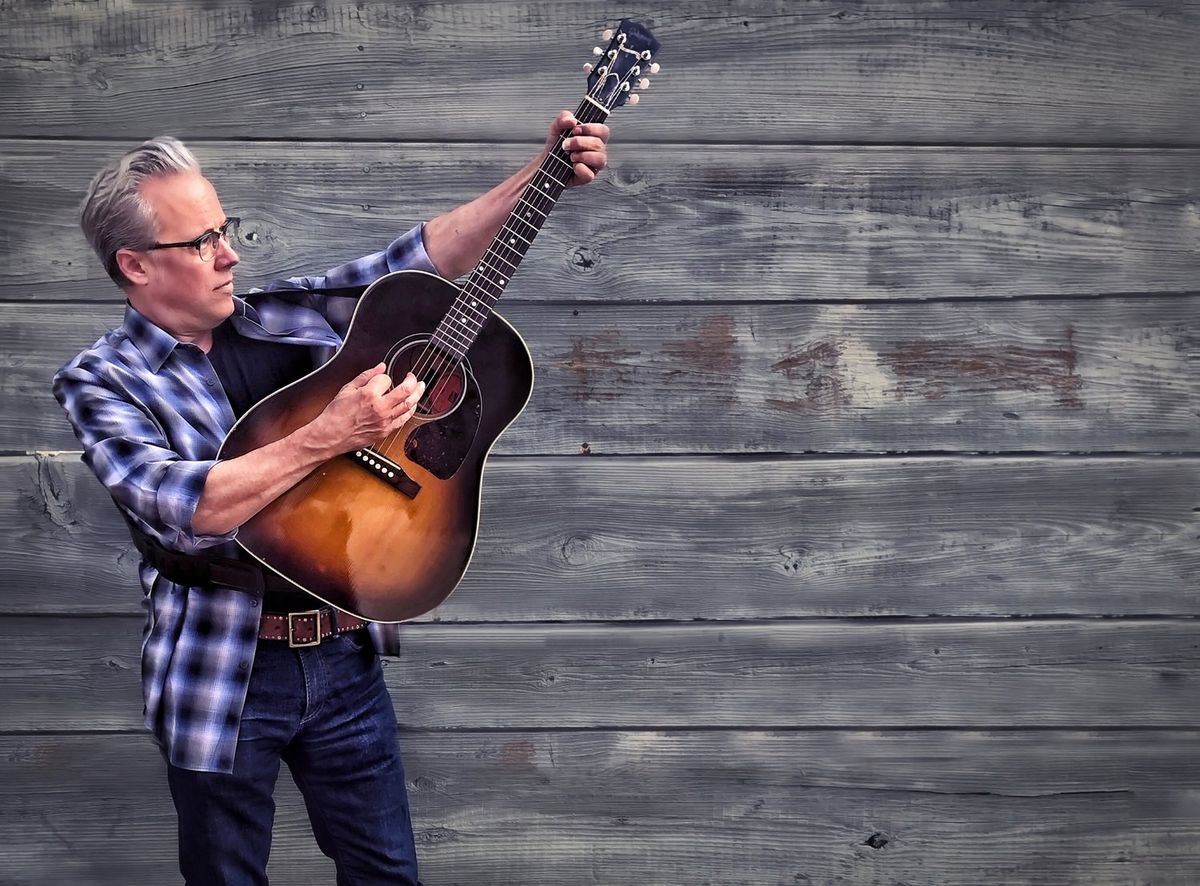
{"points": [[465, 322], [473, 308], [489, 298], [569, 166], [518, 236], [534, 208], [510, 264], [451, 328], [447, 335]]}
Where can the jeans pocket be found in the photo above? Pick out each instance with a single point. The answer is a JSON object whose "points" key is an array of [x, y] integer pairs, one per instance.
{"points": [[359, 640]]}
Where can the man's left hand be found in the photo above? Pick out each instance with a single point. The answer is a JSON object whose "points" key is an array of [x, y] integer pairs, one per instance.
{"points": [[587, 143]]}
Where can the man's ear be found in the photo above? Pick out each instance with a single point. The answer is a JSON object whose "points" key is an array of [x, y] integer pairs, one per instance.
{"points": [[133, 265]]}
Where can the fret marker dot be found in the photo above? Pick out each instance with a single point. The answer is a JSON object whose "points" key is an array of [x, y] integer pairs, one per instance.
{"points": [[502, 281], [512, 240], [546, 186]]}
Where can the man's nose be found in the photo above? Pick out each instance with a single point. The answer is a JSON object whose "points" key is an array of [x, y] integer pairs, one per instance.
{"points": [[227, 256]]}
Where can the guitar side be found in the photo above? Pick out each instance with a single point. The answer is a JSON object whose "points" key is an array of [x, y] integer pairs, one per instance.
{"points": [[344, 534]]}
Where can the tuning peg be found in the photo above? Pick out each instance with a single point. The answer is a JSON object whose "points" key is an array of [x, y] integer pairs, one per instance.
{"points": [[633, 99], [596, 50], [643, 83], [607, 35], [655, 68], [587, 66]]}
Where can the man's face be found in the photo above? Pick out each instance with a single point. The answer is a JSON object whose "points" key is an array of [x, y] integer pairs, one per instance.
{"points": [[182, 293]]}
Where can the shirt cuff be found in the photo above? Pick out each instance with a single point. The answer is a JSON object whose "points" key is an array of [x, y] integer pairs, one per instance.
{"points": [[407, 252], [178, 497]]}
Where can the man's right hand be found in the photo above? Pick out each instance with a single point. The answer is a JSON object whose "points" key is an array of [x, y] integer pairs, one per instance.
{"points": [[366, 410]]}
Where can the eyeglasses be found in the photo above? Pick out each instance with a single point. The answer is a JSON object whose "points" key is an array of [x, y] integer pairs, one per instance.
{"points": [[206, 244]]}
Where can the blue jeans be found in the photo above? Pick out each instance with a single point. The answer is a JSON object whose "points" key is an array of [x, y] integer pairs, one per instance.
{"points": [[325, 711]]}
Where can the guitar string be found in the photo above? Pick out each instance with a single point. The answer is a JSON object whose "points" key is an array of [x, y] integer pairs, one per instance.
{"points": [[543, 206], [433, 358]]}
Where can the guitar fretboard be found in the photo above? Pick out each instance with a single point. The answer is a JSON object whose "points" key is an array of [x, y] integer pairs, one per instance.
{"points": [[487, 282]]}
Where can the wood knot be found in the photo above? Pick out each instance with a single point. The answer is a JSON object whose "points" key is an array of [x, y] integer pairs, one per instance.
{"points": [[579, 550]]}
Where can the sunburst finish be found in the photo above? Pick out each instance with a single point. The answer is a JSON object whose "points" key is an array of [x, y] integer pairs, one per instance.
{"points": [[342, 533]]}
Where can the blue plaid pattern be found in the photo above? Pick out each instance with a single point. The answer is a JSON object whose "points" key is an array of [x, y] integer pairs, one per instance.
{"points": [[151, 416]]}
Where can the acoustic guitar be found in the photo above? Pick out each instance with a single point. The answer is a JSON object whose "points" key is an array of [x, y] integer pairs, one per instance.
{"points": [[386, 532]]}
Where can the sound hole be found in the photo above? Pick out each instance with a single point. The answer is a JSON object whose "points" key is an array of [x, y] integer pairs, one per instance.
{"points": [[444, 376]]}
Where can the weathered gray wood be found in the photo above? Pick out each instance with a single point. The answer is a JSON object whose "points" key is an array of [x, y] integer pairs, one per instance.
{"points": [[724, 539], [1105, 375], [996, 71], [695, 223], [83, 674], [724, 807]]}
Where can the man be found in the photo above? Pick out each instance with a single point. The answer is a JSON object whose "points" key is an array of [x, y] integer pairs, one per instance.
{"points": [[227, 696]]}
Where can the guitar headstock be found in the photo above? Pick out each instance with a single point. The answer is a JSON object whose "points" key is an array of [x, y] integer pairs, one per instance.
{"points": [[624, 65]]}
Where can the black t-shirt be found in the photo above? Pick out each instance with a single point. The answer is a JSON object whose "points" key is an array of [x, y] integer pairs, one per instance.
{"points": [[249, 370]]}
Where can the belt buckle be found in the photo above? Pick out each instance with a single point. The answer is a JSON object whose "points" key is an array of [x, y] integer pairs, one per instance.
{"points": [[316, 617]]}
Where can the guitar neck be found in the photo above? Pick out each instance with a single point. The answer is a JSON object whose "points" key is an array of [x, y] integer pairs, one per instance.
{"points": [[487, 282]]}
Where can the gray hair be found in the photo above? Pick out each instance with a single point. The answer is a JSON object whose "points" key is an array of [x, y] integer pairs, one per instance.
{"points": [[114, 214]]}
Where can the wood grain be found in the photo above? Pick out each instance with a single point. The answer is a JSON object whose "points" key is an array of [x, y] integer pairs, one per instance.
{"points": [[1105, 375], [83, 674], [752, 807], [880, 336], [697, 224], [726, 539], [900, 72]]}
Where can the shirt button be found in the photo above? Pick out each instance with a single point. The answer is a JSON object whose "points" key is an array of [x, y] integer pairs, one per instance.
{"points": [[210, 382], [254, 602], [244, 666]]}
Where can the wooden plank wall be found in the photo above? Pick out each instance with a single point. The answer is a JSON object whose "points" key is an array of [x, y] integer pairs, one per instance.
{"points": [[851, 534]]}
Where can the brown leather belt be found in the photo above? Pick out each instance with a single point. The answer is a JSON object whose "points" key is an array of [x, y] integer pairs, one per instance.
{"points": [[307, 628]]}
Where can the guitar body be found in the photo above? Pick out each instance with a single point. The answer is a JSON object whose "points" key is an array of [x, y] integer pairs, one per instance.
{"points": [[387, 533]]}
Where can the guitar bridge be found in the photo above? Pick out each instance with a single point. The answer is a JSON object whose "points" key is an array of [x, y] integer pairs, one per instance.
{"points": [[386, 470]]}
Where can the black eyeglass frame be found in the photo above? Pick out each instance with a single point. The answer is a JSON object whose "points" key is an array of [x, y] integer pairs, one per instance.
{"points": [[227, 231]]}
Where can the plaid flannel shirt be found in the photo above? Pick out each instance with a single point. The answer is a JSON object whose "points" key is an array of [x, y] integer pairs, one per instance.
{"points": [[151, 416]]}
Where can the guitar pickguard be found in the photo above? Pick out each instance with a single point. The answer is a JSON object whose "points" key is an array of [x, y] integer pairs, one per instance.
{"points": [[441, 446]]}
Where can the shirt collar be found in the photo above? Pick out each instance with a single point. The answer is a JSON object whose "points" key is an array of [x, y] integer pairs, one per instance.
{"points": [[155, 343]]}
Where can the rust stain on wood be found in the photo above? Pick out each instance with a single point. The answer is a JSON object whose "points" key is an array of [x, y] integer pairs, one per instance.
{"points": [[817, 367], [708, 359], [518, 754], [601, 365], [933, 368], [713, 348]]}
